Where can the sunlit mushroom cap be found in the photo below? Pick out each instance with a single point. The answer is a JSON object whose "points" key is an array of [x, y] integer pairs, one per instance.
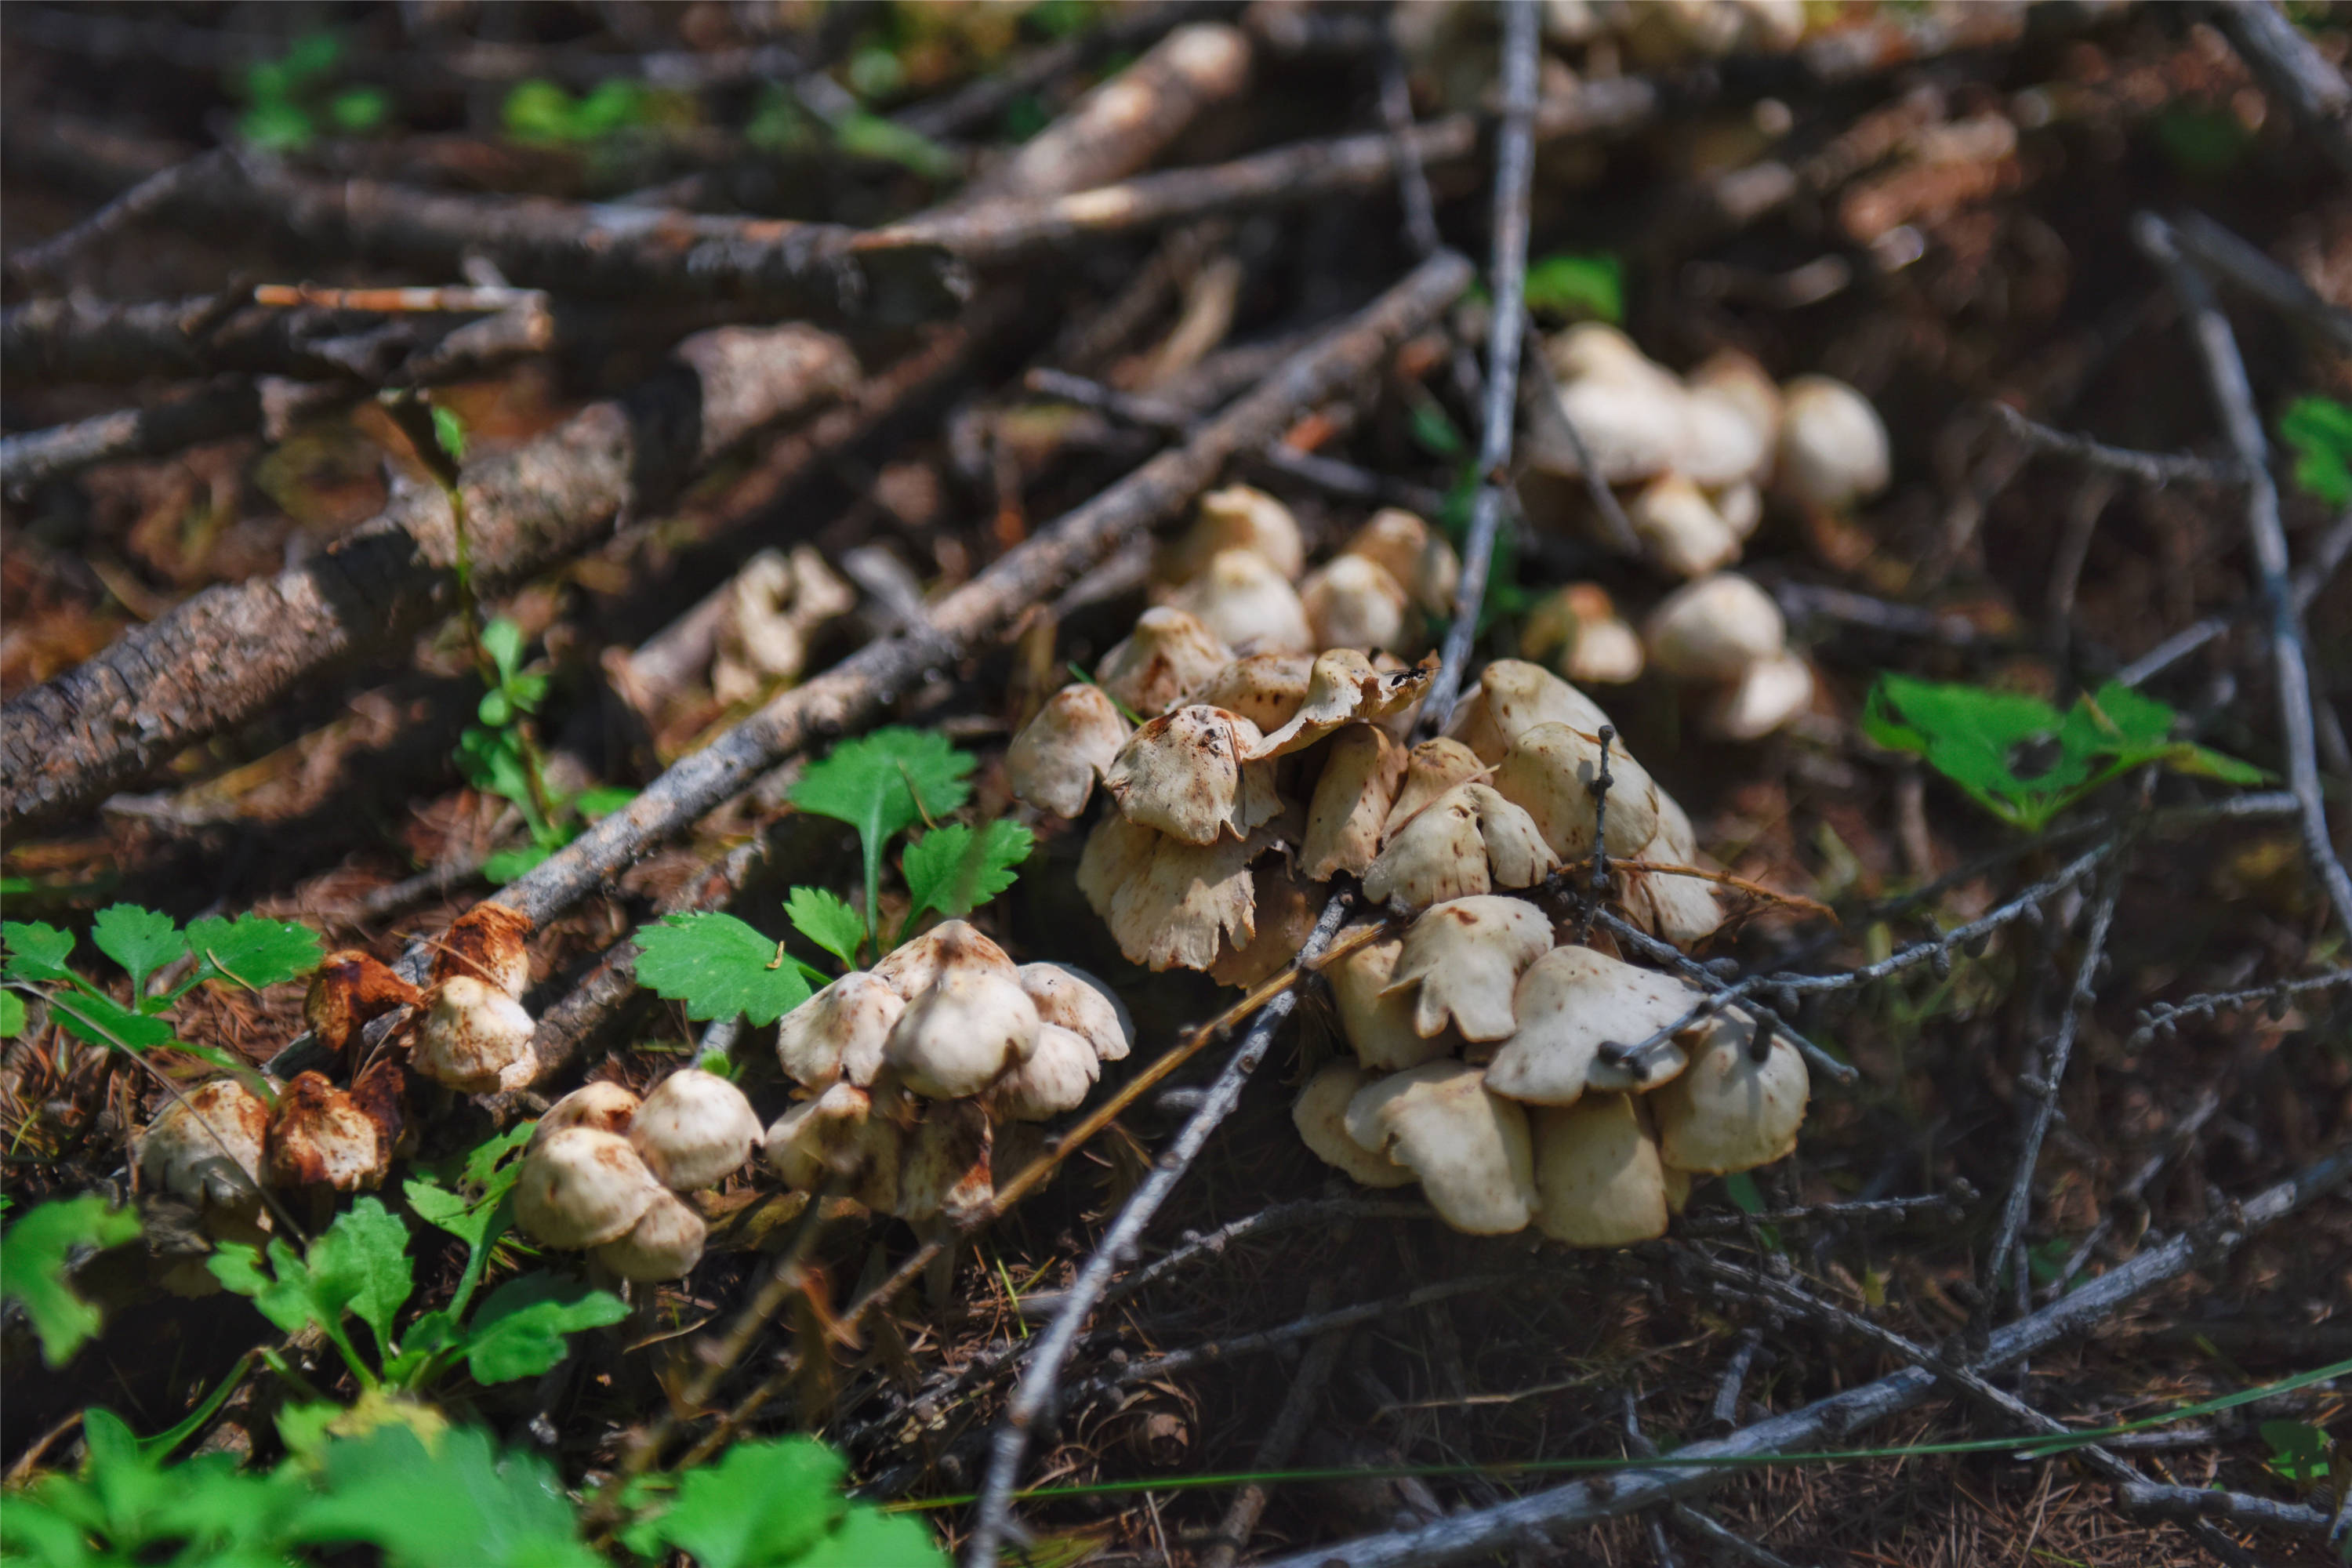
{"points": [[1834, 447], [1468, 841], [1169, 653], [1236, 518], [581, 1188], [1320, 1115], [1723, 441], [1551, 772], [1432, 769], [1054, 1078], [207, 1145], [837, 1136], [1599, 1180], [474, 1038], [1184, 774], [1054, 760], [320, 1137], [1679, 908], [694, 1129], [1598, 348], [1345, 686], [838, 1032], [1713, 630], [913, 967], [959, 1036], [1469, 1149], [1727, 1112], [664, 1244], [1352, 602], [348, 990], [1264, 688], [601, 1105], [1680, 531], [1578, 630], [1513, 696], [486, 943], [1570, 1003], [1416, 555], [946, 1169], [1467, 957], [1741, 384], [1377, 1021], [1767, 694], [1075, 1000], [1169, 903], [1741, 506], [1285, 907], [1247, 602], [1361, 770]]}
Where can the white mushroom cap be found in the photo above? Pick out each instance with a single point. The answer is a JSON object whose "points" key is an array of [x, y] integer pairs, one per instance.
{"points": [[1578, 629], [1680, 531], [1598, 1177], [1469, 1149], [1513, 696], [1343, 685], [1353, 602], [1167, 654], [664, 1244], [1432, 769], [581, 1188], [914, 967], [1632, 414], [1767, 694], [206, 1146], [1361, 770], [1713, 630], [837, 1134], [603, 1105], [1379, 1024], [1570, 1003], [838, 1032], [1169, 903], [1249, 602], [1073, 999], [1834, 447], [1320, 1115], [694, 1129], [1598, 348], [1236, 518], [1415, 554], [1184, 774], [1264, 688], [1550, 773], [1053, 761], [1469, 840], [1681, 908], [474, 1038], [1286, 908], [1741, 384], [321, 1136], [957, 1037], [486, 943], [1467, 957], [947, 1170], [1741, 506], [1055, 1078], [1726, 1112]]}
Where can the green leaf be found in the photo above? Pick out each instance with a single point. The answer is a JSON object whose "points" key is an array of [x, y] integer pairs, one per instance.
{"points": [[359, 110], [360, 1266], [2299, 1450], [462, 1502], [602, 801], [102, 1021], [253, 951], [881, 785], [1432, 430], [36, 950], [868, 135], [828, 919], [494, 710], [719, 967], [955, 869], [2320, 431], [12, 1015], [491, 760], [32, 1267], [519, 1331], [502, 638], [508, 864], [141, 940], [276, 125], [449, 432], [764, 1503], [487, 1166], [1578, 285]]}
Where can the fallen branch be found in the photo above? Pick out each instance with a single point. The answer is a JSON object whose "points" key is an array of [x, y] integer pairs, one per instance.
{"points": [[2155, 1502], [2292, 70], [2166, 1017]]}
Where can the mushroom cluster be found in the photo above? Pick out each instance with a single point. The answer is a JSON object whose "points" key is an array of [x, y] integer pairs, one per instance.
{"points": [[909, 1068], [1725, 636]]}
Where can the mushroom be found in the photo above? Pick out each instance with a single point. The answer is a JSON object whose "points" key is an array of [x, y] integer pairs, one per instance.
{"points": [[1469, 840], [839, 1032], [1247, 602], [320, 1137], [1320, 1115], [837, 1135], [960, 1032], [1431, 768], [946, 1170], [1512, 696], [1353, 602], [1767, 694], [773, 603], [694, 1129], [1681, 908], [912, 968], [1184, 774], [1599, 1180], [349, 990], [486, 943], [1264, 688], [605, 1106], [1361, 770], [1729, 1111], [1631, 415], [1342, 686], [206, 1146], [1714, 628], [1414, 554], [664, 1244], [1377, 1023], [1680, 531], [1468, 1149], [1467, 957], [1167, 654], [1570, 1003], [1054, 760], [1054, 1078], [1236, 518], [1552, 771], [1169, 903], [474, 1038], [582, 1188], [1834, 447], [1073, 999], [1283, 910], [1579, 631]]}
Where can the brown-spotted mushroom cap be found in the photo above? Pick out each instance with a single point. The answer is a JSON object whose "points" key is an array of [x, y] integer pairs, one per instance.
{"points": [[1236, 518], [1184, 774], [1320, 1115], [206, 1145], [1726, 1112], [1468, 1149], [486, 943], [1264, 688], [1681, 908], [1247, 602], [1361, 770], [1599, 1180], [1169, 903], [1055, 1078], [1379, 1024], [1073, 999], [1570, 1003], [1715, 628], [581, 1188], [1169, 653], [320, 1137], [838, 1136], [1344, 686], [1680, 529], [1053, 761], [694, 1129], [1432, 769], [958, 1037], [1416, 555], [664, 1244], [1352, 602], [1513, 696], [1467, 957], [1550, 773], [350, 989], [473, 1037], [1833, 447], [605, 1106], [1767, 694], [946, 1170], [1469, 840], [912, 968], [839, 1032]]}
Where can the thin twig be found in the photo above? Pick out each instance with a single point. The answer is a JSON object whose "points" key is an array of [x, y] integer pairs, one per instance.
{"points": [[2178, 1138], [2166, 1017], [1699, 1524], [2158, 468], [2310, 578]]}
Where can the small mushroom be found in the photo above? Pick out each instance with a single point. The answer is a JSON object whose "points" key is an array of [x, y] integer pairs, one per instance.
{"points": [[486, 943], [694, 1129], [1236, 518], [914, 967], [1344, 686], [1264, 688], [947, 1170], [206, 1146], [320, 1137], [582, 1188], [1513, 696], [1767, 694], [958, 1036], [1834, 447], [1714, 628], [1468, 1149], [1570, 1003], [1580, 633], [1361, 770], [1552, 772], [1169, 903], [1320, 1115], [774, 604], [1184, 775], [1467, 957], [1599, 1180], [1247, 602], [839, 1032], [1681, 908], [1283, 910], [1167, 654], [1378, 1023], [474, 1038], [1414, 554], [1352, 602], [1740, 505], [664, 1244], [1432, 769], [1073, 999], [605, 1106], [837, 1136], [1680, 531], [1631, 415], [1469, 840], [1728, 1111], [1733, 382], [1054, 1077], [1054, 760], [350, 990]]}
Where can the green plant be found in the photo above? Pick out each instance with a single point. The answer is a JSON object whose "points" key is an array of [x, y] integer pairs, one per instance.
{"points": [[33, 1262], [290, 98], [2320, 431], [1979, 738], [1576, 287], [544, 114]]}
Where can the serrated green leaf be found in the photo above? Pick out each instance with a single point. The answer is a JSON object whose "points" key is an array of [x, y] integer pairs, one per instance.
{"points": [[764, 1503], [33, 1266], [2320, 431], [828, 919], [253, 951], [868, 1537], [955, 869], [12, 1015], [719, 967], [2299, 1450], [141, 940], [487, 1160], [102, 1021], [881, 785], [364, 1259], [37, 950], [461, 1502], [520, 1328]]}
